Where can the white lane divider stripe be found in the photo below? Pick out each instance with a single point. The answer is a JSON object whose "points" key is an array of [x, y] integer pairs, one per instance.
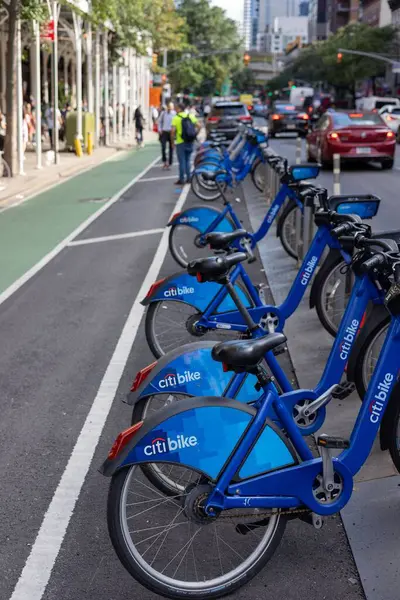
{"points": [[147, 179], [37, 570], [118, 236], [46, 259]]}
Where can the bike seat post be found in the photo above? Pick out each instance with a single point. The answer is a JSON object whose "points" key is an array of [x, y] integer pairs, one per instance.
{"points": [[240, 306]]}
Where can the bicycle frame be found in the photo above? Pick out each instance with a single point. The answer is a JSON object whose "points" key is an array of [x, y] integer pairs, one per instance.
{"points": [[233, 320], [290, 487]]}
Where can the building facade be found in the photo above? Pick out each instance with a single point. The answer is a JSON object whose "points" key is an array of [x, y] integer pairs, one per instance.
{"points": [[285, 31]]}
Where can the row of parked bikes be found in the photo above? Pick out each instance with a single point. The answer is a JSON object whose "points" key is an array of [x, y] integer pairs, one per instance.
{"points": [[217, 459]]}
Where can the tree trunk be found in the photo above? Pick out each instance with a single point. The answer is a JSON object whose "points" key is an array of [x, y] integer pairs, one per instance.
{"points": [[10, 145]]}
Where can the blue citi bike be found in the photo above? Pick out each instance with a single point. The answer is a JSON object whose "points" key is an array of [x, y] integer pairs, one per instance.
{"points": [[246, 474]]}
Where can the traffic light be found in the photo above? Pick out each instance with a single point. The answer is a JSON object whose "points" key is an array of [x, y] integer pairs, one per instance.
{"points": [[246, 59], [339, 57], [154, 60]]}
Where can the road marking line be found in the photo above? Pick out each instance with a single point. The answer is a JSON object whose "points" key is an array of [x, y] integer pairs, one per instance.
{"points": [[37, 570], [46, 259], [118, 236], [157, 178]]}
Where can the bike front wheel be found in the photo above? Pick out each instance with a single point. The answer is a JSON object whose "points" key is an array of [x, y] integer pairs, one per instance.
{"points": [[333, 295], [170, 546], [287, 228], [169, 325], [368, 357], [258, 176]]}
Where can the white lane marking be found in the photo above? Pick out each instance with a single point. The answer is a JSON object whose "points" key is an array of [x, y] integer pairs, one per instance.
{"points": [[118, 236], [157, 178], [46, 259], [37, 570]]}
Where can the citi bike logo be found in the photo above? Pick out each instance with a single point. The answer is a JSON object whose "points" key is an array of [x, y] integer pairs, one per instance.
{"points": [[309, 270], [272, 214], [162, 445], [379, 400], [188, 219], [174, 291], [174, 379], [348, 339]]}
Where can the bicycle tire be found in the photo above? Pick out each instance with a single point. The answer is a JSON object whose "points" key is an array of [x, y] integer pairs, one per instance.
{"points": [[130, 557], [368, 349], [288, 212], [209, 194], [321, 297], [151, 335], [258, 164]]}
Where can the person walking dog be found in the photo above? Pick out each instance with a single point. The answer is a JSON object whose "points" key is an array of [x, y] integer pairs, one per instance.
{"points": [[185, 128], [164, 129]]}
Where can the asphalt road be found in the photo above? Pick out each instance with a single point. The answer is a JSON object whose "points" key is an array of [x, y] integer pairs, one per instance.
{"points": [[366, 178], [65, 341]]}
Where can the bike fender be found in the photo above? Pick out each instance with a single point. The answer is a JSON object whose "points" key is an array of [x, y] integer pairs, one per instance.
{"points": [[200, 218], [202, 433], [191, 370], [320, 276], [185, 288], [386, 429], [376, 313]]}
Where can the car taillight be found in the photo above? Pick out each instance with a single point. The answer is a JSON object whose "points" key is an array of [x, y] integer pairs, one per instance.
{"points": [[142, 375], [123, 439], [249, 107], [332, 135], [154, 287], [276, 117], [304, 116], [389, 118], [389, 134], [213, 119], [245, 119]]}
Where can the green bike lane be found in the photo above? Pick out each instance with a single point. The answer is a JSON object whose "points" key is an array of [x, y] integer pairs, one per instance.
{"points": [[32, 229]]}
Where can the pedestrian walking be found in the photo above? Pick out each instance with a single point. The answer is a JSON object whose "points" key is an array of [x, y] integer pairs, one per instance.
{"points": [[53, 125], [154, 115], [165, 129], [139, 126], [184, 131]]}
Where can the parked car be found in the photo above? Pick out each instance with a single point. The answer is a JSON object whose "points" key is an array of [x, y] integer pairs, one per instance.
{"points": [[285, 118], [391, 115], [226, 117], [375, 102], [259, 110], [354, 135]]}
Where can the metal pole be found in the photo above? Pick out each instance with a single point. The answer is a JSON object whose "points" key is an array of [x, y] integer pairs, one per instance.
{"points": [[55, 84], [3, 81], [298, 150], [89, 68], [97, 87], [20, 143], [299, 236], [133, 92], [106, 90], [336, 174], [114, 101], [78, 47], [120, 132], [45, 58], [38, 97], [66, 82]]}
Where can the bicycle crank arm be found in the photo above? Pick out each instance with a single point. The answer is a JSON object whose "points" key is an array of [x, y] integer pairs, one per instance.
{"points": [[308, 410]]}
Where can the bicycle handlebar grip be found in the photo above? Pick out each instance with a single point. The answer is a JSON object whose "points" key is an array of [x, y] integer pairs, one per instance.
{"points": [[342, 229], [374, 261]]}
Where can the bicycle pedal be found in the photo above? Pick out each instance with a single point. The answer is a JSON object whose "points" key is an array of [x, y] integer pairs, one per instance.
{"points": [[330, 441], [343, 390]]}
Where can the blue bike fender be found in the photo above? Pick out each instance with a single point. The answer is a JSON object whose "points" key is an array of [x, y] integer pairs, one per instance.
{"points": [[200, 218], [187, 370], [185, 288], [202, 433]]}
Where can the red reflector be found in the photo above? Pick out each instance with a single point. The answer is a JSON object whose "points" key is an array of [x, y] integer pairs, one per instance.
{"points": [[141, 376], [175, 216], [123, 439], [226, 367], [213, 119], [199, 277], [246, 119], [154, 287]]}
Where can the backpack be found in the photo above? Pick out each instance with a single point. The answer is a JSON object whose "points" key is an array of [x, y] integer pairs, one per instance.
{"points": [[189, 132]]}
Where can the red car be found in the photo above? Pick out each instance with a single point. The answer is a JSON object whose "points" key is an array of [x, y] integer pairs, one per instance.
{"points": [[354, 135]]}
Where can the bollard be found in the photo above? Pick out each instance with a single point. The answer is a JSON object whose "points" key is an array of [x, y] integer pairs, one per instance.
{"points": [[308, 224], [299, 236], [298, 150], [336, 174], [78, 146], [89, 143]]}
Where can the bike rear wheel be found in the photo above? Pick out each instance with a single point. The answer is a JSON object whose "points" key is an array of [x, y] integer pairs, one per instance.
{"points": [[333, 295], [184, 245], [161, 542], [287, 229], [167, 327], [206, 190]]}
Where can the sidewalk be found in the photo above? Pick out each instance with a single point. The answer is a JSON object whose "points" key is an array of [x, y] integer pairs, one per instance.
{"points": [[370, 518], [36, 180], [32, 229]]}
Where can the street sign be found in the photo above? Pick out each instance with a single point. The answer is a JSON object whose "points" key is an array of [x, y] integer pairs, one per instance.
{"points": [[47, 31]]}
